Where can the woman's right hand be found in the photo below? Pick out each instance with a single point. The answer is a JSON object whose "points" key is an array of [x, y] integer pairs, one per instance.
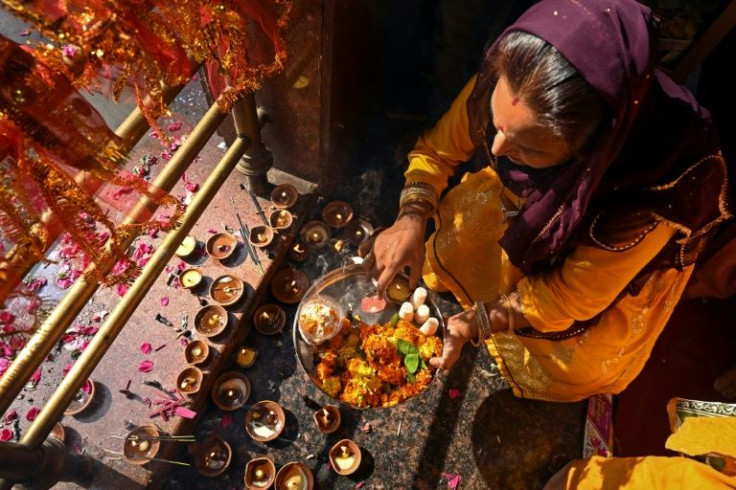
{"points": [[401, 245]]}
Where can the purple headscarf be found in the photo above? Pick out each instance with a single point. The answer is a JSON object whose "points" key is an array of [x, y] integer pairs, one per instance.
{"points": [[657, 160]]}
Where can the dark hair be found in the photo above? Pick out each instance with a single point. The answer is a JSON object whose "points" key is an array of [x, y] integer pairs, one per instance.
{"points": [[536, 72]]}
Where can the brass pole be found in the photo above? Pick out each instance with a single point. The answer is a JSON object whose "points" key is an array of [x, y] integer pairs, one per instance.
{"points": [[52, 329], [258, 159], [82, 369]]}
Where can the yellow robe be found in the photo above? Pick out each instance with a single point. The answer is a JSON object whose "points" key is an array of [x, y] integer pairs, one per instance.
{"points": [[463, 256]]}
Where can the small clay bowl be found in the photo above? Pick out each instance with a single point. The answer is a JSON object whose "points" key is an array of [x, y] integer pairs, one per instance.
{"points": [[341, 464], [82, 399], [315, 234], [260, 473], [359, 231], [284, 196], [246, 356], [196, 352], [212, 456], [261, 236], [269, 319], [227, 290], [265, 421], [288, 286], [281, 219], [298, 251], [328, 419], [186, 247], [337, 214], [58, 431], [220, 246], [293, 470], [190, 278], [141, 444], [189, 380], [231, 390], [211, 320]]}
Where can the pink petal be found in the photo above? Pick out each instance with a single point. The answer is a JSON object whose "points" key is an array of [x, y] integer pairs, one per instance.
{"points": [[452, 480], [146, 348], [36, 376], [192, 186], [6, 317], [227, 420], [4, 363], [6, 435], [121, 289], [175, 126], [212, 230], [454, 393], [183, 341], [67, 368], [145, 366], [10, 416], [31, 414], [37, 284], [87, 387], [165, 301], [70, 51], [359, 484]]}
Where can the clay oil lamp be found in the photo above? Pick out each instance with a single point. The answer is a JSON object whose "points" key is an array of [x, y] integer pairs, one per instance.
{"points": [[211, 320], [269, 319], [284, 196], [187, 247], [265, 421], [289, 286], [337, 245], [259, 473], [298, 252], [189, 380], [82, 399], [345, 457], [190, 278], [359, 231], [196, 352], [328, 419], [261, 236], [398, 290], [315, 234], [58, 431], [281, 219], [246, 356], [227, 290], [213, 456], [231, 390], [337, 214], [141, 444], [294, 476], [220, 246]]}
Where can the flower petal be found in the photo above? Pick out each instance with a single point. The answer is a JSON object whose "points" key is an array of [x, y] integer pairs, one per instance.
{"points": [[454, 393], [6, 435], [31, 414], [165, 301], [145, 366], [146, 348]]}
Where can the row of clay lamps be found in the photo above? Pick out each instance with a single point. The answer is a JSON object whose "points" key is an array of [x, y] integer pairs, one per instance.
{"points": [[283, 197]]}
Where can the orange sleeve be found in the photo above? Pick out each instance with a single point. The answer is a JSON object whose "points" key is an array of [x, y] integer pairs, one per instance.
{"points": [[440, 150], [587, 283]]}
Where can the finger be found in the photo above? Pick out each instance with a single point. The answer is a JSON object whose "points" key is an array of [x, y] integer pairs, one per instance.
{"points": [[415, 273], [450, 355], [385, 277]]}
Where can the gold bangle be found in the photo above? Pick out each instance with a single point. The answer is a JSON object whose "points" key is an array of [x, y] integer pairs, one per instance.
{"points": [[419, 191], [484, 330], [509, 312]]}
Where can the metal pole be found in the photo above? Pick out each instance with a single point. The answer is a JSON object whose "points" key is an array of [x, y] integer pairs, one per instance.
{"points": [[52, 329], [101, 342], [41, 467], [258, 159]]}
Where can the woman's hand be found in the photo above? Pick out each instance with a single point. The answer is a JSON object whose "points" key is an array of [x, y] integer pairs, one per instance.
{"points": [[461, 328], [401, 245]]}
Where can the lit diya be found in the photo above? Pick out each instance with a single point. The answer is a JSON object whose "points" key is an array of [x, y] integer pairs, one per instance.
{"points": [[189, 380], [190, 278], [269, 319], [186, 247], [359, 231], [227, 290], [211, 320], [316, 234], [231, 390], [246, 356], [398, 290], [328, 419], [196, 352], [141, 444], [294, 476], [337, 214], [265, 421], [280, 219], [213, 456], [298, 251], [284, 196], [82, 399], [345, 457], [259, 473], [220, 246], [289, 286], [261, 236]]}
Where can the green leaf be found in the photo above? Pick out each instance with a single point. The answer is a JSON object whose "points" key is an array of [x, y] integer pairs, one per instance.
{"points": [[410, 378], [423, 364], [411, 362], [404, 347], [394, 320]]}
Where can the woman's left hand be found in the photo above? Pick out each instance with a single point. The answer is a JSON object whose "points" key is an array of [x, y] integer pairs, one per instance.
{"points": [[461, 328]]}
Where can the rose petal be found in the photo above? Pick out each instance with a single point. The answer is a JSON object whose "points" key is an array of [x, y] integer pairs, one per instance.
{"points": [[212, 230], [67, 368], [359, 484], [6, 317], [454, 393], [36, 376], [4, 363], [227, 420], [37, 284], [165, 301], [6, 435], [121, 289], [146, 348], [31, 414], [10, 416], [145, 366], [175, 126]]}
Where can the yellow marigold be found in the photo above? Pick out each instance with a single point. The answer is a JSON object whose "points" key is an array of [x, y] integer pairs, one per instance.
{"points": [[332, 386]]}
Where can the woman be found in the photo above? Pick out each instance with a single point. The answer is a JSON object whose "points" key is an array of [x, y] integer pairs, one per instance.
{"points": [[571, 250]]}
